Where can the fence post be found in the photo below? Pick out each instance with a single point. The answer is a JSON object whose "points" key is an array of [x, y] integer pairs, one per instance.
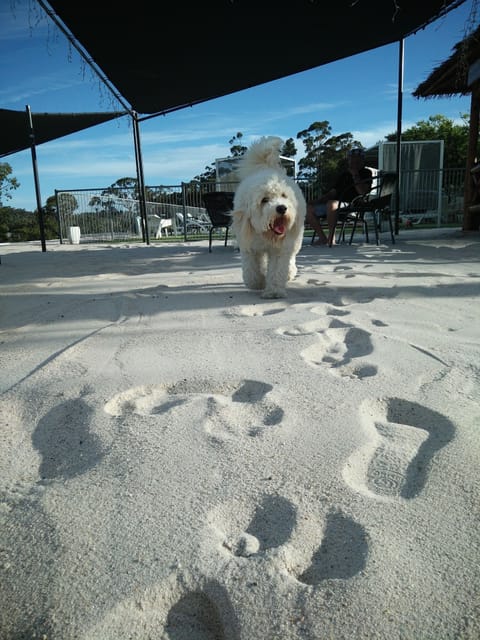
{"points": [[184, 210]]}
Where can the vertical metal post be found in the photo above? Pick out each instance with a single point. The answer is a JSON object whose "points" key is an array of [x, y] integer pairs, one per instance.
{"points": [[470, 221], [31, 135], [399, 134], [184, 211], [440, 185], [140, 177], [58, 218]]}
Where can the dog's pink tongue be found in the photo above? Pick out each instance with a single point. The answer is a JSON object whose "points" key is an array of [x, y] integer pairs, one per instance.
{"points": [[279, 228]]}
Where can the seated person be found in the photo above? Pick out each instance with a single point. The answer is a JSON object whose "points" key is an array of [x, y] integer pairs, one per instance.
{"points": [[355, 181]]}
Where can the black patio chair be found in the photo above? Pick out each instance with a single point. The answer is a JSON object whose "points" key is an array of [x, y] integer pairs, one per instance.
{"points": [[377, 202], [219, 205]]}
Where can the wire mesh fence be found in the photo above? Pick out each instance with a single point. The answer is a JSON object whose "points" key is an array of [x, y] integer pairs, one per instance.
{"points": [[115, 215], [176, 212]]}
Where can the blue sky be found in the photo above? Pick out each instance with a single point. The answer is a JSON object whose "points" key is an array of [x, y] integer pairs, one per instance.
{"points": [[357, 95]]}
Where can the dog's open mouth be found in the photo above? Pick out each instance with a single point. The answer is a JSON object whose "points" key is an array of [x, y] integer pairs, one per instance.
{"points": [[278, 226]]}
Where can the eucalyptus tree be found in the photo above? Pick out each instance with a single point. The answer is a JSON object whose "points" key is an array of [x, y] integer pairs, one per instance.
{"points": [[7, 182], [439, 127], [325, 155]]}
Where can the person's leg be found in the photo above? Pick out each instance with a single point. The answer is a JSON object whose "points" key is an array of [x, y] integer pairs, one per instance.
{"points": [[314, 222], [332, 206]]}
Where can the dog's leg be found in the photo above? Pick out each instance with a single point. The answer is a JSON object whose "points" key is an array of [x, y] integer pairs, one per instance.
{"points": [[254, 266], [277, 276], [292, 268]]}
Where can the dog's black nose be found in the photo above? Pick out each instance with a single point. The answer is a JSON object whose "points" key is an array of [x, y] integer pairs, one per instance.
{"points": [[281, 209]]}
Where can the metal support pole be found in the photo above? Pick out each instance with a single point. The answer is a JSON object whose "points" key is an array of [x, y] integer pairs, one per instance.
{"points": [[140, 177], [399, 135], [58, 217], [470, 222], [31, 135]]}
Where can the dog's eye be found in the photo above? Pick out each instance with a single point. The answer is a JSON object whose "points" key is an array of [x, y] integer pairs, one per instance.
{"points": [[284, 195], [265, 200]]}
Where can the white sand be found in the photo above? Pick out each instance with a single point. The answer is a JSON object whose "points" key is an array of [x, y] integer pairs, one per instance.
{"points": [[183, 460]]}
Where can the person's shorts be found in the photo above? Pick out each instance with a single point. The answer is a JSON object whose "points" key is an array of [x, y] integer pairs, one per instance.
{"points": [[320, 210]]}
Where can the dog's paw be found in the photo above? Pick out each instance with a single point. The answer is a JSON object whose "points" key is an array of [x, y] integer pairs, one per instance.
{"points": [[292, 273], [269, 294]]}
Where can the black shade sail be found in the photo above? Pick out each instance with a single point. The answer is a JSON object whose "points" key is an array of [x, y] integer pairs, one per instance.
{"points": [[163, 57], [47, 126]]}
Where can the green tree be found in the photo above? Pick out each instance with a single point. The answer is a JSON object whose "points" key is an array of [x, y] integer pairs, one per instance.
{"points": [[120, 197], [124, 188], [50, 218], [7, 183], [237, 149], [19, 225], [438, 127], [67, 203], [324, 154], [208, 175], [289, 150], [64, 207]]}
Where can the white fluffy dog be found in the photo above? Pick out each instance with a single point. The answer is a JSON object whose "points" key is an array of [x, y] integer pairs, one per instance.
{"points": [[268, 219]]}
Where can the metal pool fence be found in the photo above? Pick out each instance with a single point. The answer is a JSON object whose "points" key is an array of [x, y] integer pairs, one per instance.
{"points": [[175, 213]]}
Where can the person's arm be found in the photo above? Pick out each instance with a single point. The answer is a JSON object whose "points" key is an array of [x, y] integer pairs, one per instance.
{"points": [[329, 195], [361, 183]]}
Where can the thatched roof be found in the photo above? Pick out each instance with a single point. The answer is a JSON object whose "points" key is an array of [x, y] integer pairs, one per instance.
{"points": [[450, 77]]}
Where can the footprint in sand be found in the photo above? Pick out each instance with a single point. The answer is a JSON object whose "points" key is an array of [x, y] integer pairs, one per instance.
{"points": [[223, 419], [215, 408], [337, 312], [404, 437], [310, 551], [342, 553], [64, 441], [261, 544], [180, 607], [270, 526], [342, 268], [263, 540], [201, 616], [379, 323], [338, 347], [253, 310]]}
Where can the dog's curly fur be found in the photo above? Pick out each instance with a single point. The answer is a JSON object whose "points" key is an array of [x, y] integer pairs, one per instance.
{"points": [[268, 219]]}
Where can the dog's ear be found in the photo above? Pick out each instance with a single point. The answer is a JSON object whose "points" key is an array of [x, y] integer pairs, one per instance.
{"points": [[240, 219], [244, 227]]}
